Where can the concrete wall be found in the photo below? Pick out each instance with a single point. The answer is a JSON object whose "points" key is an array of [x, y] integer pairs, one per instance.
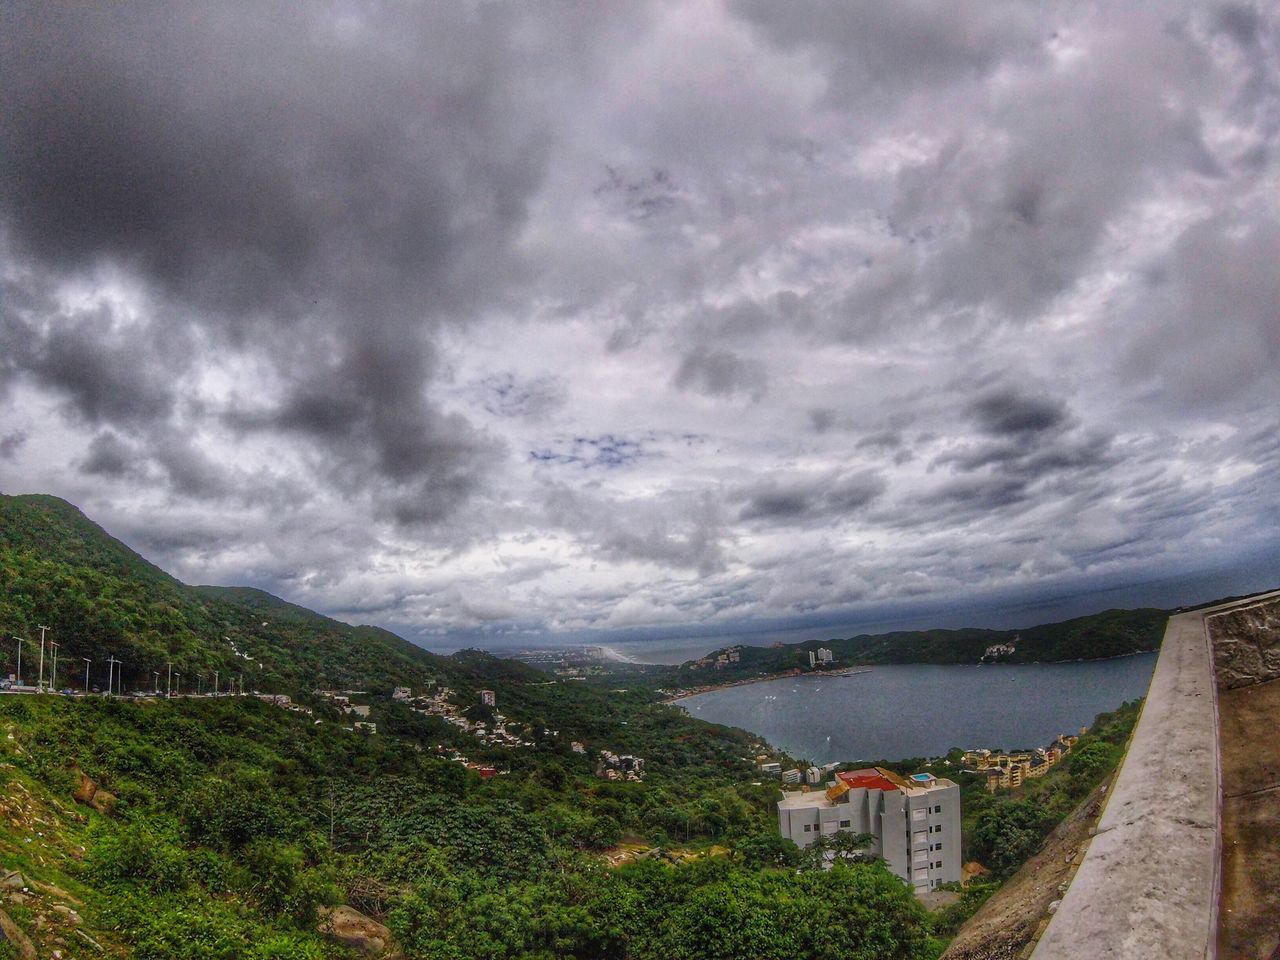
{"points": [[1246, 644], [1147, 888]]}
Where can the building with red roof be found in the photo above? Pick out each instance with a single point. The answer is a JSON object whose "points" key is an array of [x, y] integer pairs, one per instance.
{"points": [[914, 821]]}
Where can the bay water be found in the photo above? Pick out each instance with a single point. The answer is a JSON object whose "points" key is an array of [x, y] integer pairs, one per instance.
{"points": [[923, 710]]}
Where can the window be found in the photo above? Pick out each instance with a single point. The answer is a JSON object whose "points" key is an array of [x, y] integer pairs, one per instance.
{"points": [[938, 808], [844, 824], [808, 828], [937, 846], [938, 828]]}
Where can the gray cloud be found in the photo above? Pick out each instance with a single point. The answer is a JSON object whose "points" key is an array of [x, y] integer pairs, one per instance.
{"points": [[1009, 411], [795, 500], [720, 373], [515, 317], [109, 456]]}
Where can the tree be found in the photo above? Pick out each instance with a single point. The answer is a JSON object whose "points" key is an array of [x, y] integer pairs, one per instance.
{"points": [[851, 847]]}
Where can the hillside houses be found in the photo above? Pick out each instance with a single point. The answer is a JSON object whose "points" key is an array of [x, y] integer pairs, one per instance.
{"points": [[1011, 770]]}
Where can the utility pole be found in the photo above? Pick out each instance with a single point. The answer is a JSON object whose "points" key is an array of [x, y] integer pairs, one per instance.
{"points": [[87, 661], [215, 683], [179, 684], [111, 671], [53, 676], [40, 681], [169, 691], [199, 683], [156, 683], [20, 643]]}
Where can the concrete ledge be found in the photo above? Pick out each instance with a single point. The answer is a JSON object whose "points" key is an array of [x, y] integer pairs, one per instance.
{"points": [[1148, 887]]}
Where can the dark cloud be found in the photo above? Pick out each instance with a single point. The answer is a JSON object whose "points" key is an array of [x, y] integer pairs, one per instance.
{"points": [[519, 316], [107, 376], [720, 373], [298, 188], [109, 456], [873, 49], [799, 500], [822, 419], [678, 529], [1209, 332], [1011, 411], [11, 443], [883, 440]]}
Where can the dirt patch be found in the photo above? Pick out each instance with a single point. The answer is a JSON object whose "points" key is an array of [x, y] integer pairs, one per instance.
{"points": [[1016, 915], [1248, 922]]}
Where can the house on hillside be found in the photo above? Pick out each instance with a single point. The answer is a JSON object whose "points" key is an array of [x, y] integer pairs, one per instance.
{"points": [[914, 821]]}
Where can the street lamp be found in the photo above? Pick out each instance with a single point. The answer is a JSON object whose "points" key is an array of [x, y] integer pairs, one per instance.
{"points": [[87, 661], [169, 692], [179, 684], [20, 643], [156, 682], [53, 675], [40, 675]]}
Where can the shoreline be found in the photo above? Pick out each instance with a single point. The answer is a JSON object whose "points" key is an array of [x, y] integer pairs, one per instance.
{"points": [[712, 687], [865, 668]]}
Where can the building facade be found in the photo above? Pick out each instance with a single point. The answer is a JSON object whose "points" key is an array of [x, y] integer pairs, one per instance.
{"points": [[915, 821]]}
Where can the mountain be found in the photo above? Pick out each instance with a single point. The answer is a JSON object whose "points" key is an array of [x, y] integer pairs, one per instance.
{"points": [[101, 599], [1097, 636]]}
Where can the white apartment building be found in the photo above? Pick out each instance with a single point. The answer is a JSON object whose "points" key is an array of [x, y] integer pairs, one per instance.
{"points": [[915, 821]]}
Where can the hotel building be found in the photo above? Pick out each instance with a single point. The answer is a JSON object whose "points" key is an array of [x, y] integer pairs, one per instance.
{"points": [[915, 821]]}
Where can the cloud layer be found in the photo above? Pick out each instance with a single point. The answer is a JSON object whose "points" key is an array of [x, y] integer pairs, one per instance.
{"points": [[493, 320]]}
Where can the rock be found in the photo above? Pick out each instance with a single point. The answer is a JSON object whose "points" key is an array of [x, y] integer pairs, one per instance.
{"points": [[56, 891], [351, 928], [20, 942], [90, 794], [13, 880], [1053, 907], [67, 912], [1246, 645], [85, 789]]}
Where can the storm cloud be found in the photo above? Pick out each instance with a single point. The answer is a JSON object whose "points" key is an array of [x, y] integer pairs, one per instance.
{"points": [[488, 320]]}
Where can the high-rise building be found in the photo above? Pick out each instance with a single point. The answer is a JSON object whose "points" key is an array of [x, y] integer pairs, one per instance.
{"points": [[915, 821]]}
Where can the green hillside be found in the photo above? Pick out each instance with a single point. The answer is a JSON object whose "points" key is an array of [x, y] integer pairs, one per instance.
{"points": [[102, 600], [216, 829], [1111, 633]]}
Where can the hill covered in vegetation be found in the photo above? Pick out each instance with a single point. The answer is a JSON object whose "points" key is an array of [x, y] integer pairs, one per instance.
{"points": [[1110, 633], [208, 828], [102, 600]]}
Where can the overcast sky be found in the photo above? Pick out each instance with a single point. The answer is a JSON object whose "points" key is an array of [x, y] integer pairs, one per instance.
{"points": [[496, 321]]}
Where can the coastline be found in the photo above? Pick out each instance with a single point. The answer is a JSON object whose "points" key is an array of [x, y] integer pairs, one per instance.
{"points": [[865, 668], [711, 687]]}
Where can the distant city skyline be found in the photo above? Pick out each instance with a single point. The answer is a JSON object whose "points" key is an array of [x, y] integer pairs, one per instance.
{"points": [[536, 323]]}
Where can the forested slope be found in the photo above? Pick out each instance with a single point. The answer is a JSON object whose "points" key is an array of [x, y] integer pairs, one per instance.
{"points": [[102, 600]]}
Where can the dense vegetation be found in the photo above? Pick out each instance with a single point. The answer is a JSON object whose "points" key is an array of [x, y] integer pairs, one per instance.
{"points": [[102, 599], [1004, 829], [234, 820], [1111, 633]]}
